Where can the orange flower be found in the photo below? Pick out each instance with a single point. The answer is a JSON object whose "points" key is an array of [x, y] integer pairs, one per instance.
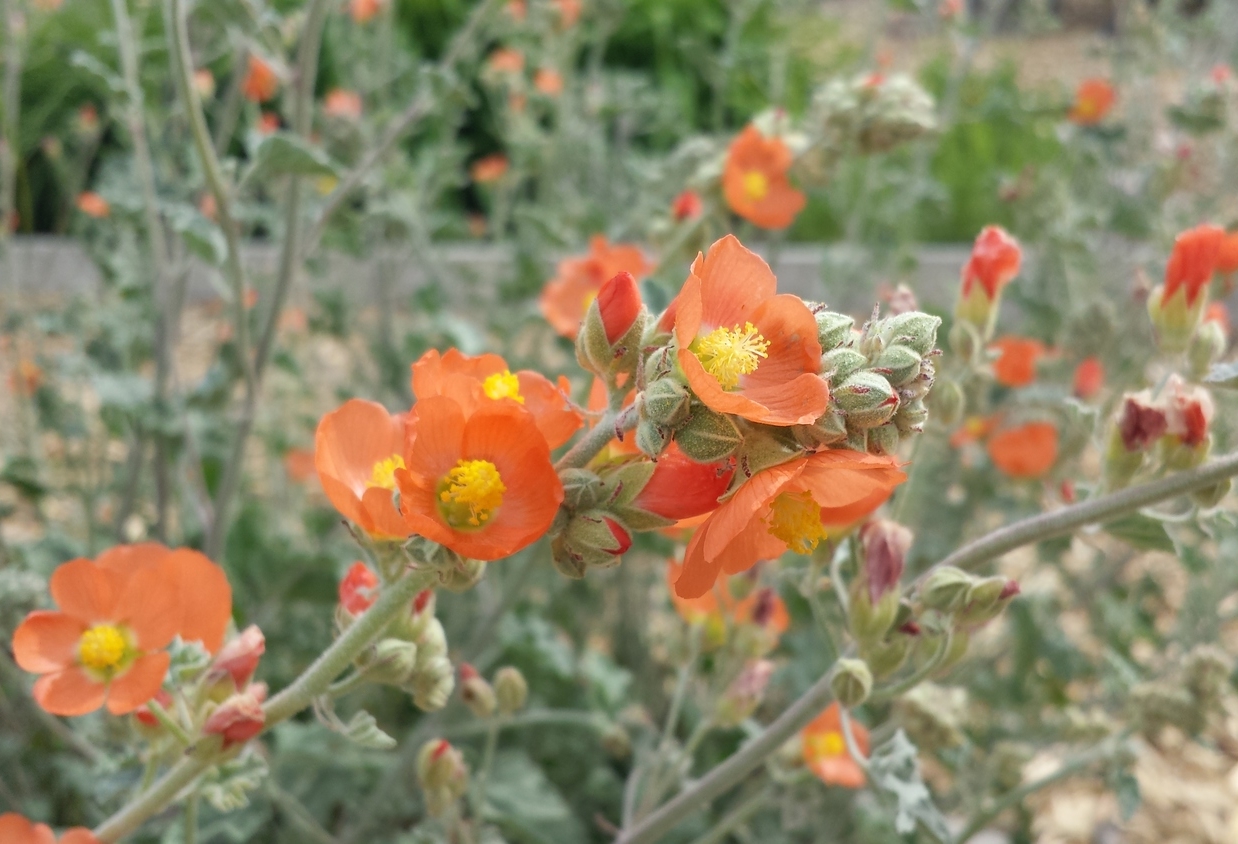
{"points": [[268, 123], [14, 829], [1227, 260], [680, 488], [1089, 378], [1016, 362], [569, 12], [299, 464], [506, 60], [357, 450], [744, 349], [479, 482], [116, 616], [26, 378], [718, 607], [489, 169], [687, 206], [784, 508], [359, 588], [260, 83], [548, 81], [518, 9], [1027, 451], [755, 180], [343, 104], [995, 260], [93, 205], [363, 11], [1093, 100], [1194, 259], [973, 430], [478, 381], [825, 749], [567, 296]]}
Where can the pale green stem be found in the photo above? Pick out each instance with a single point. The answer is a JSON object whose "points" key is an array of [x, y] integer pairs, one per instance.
{"points": [[588, 446], [153, 800], [896, 689], [483, 770], [169, 723], [191, 819], [853, 747], [738, 816]]}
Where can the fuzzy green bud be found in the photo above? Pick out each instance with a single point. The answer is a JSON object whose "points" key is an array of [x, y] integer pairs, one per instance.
{"points": [[478, 695], [840, 363], [442, 775], [866, 399], [852, 682], [898, 364], [391, 661], [964, 340], [1211, 496], [915, 330], [652, 438], [911, 417], [948, 402], [870, 621], [945, 589], [830, 428], [1207, 345], [985, 601], [884, 658], [665, 402], [833, 329], [463, 576], [582, 489], [511, 690], [883, 439], [708, 437], [432, 683]]}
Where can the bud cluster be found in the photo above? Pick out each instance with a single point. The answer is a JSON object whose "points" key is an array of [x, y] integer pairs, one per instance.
{"points": [[1189, 698], [1171, 430], [873, 112]]}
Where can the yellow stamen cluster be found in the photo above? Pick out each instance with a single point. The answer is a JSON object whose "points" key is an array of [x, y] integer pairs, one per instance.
{"points": [[795, 518], [827, 745], [383, 476], [502, 385], [756, 185], [102, 647], [728, 353], [470, 493]]}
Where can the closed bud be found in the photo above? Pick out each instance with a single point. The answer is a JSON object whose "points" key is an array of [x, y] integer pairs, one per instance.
{"points": [[959, 644], [866, 399], [665, 402], [839, 364], [462, 576], [910, 417], [708, 437], [885, 544], [442, 775], [476, 693], [239, 718], [765, 447], [597, 538], [392, 661], [915, 330], [857, 440], [652, 438], [827, 430], [945, 589], [883, 439], [238, 659], [610, 337], [852, 682], [918, 388], [833, 329], [1207, 346], [985, 601], [964, 340], [884, 658], [432, 642], [871, 618], [948, 402], [1174, 318], [616, 742], [898, 364], [511, 690], [1211, 496], [996, 258], [565, 559], [582, 489], [744, 695], [432, 683], [681, 488]]}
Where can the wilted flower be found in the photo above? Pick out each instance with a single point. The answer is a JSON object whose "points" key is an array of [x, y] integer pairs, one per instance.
{"points": [[239, 718], [238, 659]]}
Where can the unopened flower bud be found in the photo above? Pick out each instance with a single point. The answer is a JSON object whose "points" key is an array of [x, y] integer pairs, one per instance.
{"points": [[462, 576], [898, 364], [830, 428], [359, 588], [744, 694], [964, 341], [238, 659], [914, 330], [883, 439], [582, 489], [945, 589], [948, 403], [476, 693], [433, 683], [985, 601], [652, 438], [609, 339], [432, 642], [852, 682], [995, 259], [681, 488], [511, 690], [910, 417], [616, 742], [442, 774], [1207, 346], [392, 661], [239, 718], [833, 329], [597, 538], [886, 657], [708, 437], [665, 402], [1177, 305], [839, 364], [866, 399]]}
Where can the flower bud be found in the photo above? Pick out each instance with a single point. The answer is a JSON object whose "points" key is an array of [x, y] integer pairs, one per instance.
{"points": [[866, 399], [1188, 413], [616, 742], [1207, 345], [914, 330], [239, 718], [1177, 305], [358, 589], [964, 341], [852, 682], [985, 601], [391, 661], [680, 488], [830, 428], [839, 364], [239, 658], [609, 339], [744, 694], [652, 438], [910, 417], [476, 693], [885, 544], [596, 539], [708, 437], [432, 642], [665, 402], [833, 329], [432, 683], [582, 489], [995, 259], [1174, 319], [511, 690], [883, 439], [945, 589], [886, 657], [462, 576], [948, 402], [898, 364], [442, 774]]}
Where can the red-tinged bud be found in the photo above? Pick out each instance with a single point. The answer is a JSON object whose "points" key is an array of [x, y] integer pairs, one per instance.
{"points": [[147, 718], [1009, 590], [442, 775], [1089, 378], [609, 340], [622, 537], [422, 600], [239, 658], [358, 589], [764, 607], [995, 259], [744, 694], [619, 304], [1189, 412], [477, 694], [1067, 490], [1193, 261], [468, 672], [239, 718], [910, 628], [681, 488], [885, 545], [687, 206]]}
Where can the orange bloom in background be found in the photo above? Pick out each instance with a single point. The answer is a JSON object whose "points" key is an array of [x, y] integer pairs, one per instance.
{"points": [[268, 123], [14, 829], [480, 483], [359, 588], [1194, 259], [718, 607], [1016, 362], [363, 11], [299, 464], [995, 259], [567, 296], [1094, 99], [358, 449], [518, 9], [744, 349], [1089, 378], [569, 12], [93, 205], [973, 430], [825, 749], [260, 83], [1027, 451], [489, 169], [687, 206], [548, 81], [478, 381], [343, 104], [1218, 312], [506, 60], [26, 378], [117, 614], [755, 183], [1227, 260], [785, 507]]}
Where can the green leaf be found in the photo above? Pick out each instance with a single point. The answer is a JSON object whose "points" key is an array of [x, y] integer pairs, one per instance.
{"points": [[363, 729], [286, 154], [1126, 788], [1142, 532], [203, 237], [895, 769], [526, 805], [1223, 375]]}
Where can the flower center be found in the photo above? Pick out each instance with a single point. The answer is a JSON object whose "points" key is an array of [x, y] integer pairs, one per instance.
{"points": [[102, 647], [503, 385], [728, 353], [756, 185], [795, 518], [470, 493], [383, 476], [828, 745]]}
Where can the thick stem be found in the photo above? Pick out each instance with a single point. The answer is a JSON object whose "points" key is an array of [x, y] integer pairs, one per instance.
{"points": [[1048, 525], [607, 428], [153, 800], [738, 816]]}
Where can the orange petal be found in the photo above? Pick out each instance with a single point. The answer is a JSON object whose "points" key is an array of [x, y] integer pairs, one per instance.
{"points": [[139, 684], [78, 835], [348, 443], [206, 598], [841, 771], [86, 591], [47, 641], [699, 572], [14, 829], [736, 513], [126, 559], [734, 281], [550, 406], [150, 606], [438, 444], [68, 692], [379, 516]]}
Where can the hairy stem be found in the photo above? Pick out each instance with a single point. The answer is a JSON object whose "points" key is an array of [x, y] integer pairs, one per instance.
{"points": [[588, 446]]}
